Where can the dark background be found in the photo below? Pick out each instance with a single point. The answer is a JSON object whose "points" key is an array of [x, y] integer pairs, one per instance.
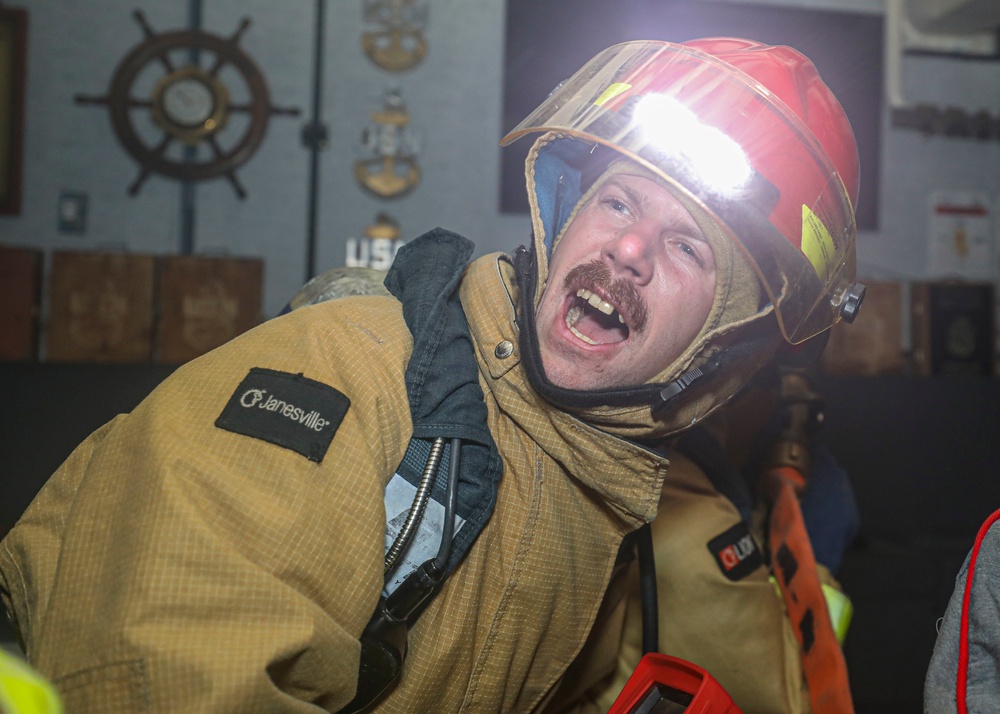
{"points": [[548, 40]]}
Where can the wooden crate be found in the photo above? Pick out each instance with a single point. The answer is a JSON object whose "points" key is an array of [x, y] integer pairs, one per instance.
{"points": [[20, 295], [954, 332], [204, 302], [100, 307], [873, 343]]}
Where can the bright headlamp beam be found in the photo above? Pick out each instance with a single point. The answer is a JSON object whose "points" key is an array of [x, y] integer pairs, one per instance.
{"points": [[672, 128]]}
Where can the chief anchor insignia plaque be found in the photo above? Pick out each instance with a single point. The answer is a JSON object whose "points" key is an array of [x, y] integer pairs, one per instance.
{"points": [[390, 168], [398, 43]]}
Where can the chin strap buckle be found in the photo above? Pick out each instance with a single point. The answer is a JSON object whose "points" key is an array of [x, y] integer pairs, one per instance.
{"points": [[686, 380]]}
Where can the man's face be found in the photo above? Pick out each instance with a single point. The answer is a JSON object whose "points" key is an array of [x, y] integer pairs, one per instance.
{"points": [[630, 285]]}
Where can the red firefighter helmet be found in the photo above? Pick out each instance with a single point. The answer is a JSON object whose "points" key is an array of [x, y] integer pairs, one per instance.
{"points": [[752, 133]]}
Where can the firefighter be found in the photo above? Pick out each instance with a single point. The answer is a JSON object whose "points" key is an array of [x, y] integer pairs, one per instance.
{"points": [[224, 546]]}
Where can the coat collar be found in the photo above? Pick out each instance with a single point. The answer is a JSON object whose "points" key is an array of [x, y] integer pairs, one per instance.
{"points": [[626, 475]]}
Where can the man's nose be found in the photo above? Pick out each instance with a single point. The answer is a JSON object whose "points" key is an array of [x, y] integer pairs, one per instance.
{"points": [[630, 253]]}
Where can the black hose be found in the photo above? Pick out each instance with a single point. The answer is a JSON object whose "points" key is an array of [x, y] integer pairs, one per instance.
{"points": [[647, 591], [451, 504]]}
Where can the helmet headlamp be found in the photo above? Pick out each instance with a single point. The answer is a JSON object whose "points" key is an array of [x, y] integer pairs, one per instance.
{"points": [[670, 127]]}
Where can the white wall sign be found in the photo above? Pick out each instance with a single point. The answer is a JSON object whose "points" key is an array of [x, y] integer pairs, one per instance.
{"points": [[962, 243]]}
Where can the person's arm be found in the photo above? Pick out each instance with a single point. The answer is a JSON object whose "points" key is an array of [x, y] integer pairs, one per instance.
{"points": [[963, 676], [717, 605], [201, 569]]}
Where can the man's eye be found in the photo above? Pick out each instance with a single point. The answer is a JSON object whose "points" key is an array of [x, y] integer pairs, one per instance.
{"points": [[616, 205], [690, 251]]}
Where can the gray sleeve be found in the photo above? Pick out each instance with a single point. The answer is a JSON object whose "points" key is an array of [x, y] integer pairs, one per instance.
{"points": [[983, 684]]}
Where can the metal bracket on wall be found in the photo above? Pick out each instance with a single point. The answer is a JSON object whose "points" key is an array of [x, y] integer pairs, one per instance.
{"points": [[903, 39], [947, 121]]}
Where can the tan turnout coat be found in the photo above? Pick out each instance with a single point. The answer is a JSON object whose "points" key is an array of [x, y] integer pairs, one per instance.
{"points": [[172, 566]]}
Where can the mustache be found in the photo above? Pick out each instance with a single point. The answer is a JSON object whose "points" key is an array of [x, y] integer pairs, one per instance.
{"points": [[622, 293]]}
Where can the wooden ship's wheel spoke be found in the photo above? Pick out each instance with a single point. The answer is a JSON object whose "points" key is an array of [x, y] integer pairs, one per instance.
{"points": [[189, 104]]}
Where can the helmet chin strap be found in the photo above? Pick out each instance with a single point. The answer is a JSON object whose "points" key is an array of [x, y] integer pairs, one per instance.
{"points": [[672, 390], [750, 345]]}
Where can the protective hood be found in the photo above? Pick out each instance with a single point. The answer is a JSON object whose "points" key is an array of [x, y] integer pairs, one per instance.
{"points": [[738, 337]]}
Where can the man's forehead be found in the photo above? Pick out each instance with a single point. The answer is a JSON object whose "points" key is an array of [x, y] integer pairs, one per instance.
{"points": [[647, 191]]}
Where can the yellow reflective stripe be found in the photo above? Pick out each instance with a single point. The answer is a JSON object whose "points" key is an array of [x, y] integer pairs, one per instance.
{"points": [[817, 244], [837, 604], [841, 610], [23, 691], [611, 92]]}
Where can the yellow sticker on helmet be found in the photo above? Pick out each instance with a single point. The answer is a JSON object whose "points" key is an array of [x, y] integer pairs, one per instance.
{"points": [[817, 243], [611, 92]]}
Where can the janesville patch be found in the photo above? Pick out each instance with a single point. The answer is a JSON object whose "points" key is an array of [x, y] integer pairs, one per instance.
{"points": [[289, 410], [736, 552]]}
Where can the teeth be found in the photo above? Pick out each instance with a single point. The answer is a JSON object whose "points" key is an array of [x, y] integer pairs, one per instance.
{"points": [[583, 336], [595, 300], [572, 317], [574, 314]]}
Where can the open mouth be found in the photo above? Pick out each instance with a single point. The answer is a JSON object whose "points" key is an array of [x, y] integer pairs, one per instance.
{"points": [[594, 320]]}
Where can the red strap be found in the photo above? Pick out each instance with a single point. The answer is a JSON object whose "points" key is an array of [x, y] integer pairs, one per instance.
{"points": [[794, 566], [962, 679]]}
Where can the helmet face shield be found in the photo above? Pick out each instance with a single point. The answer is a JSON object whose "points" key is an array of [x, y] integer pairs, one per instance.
{"points": [[731, 145]]}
